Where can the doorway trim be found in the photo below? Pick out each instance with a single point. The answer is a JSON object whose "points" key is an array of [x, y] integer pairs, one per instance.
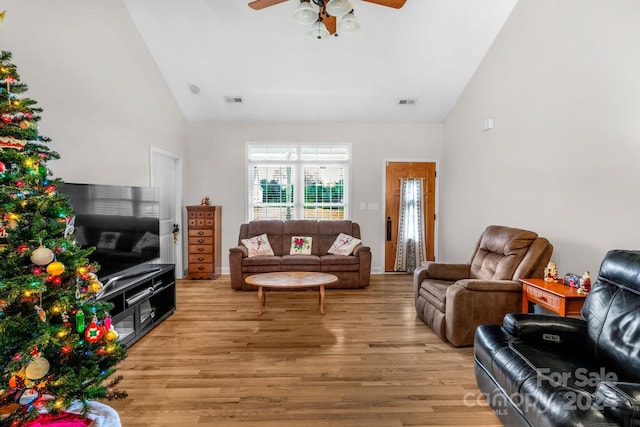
{"points": [[178, 205], [383, 218]]}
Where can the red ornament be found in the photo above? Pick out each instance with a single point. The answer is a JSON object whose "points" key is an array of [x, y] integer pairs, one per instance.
{"points": [[94, 332], [2, 167], [22, 249], [57, 280]]}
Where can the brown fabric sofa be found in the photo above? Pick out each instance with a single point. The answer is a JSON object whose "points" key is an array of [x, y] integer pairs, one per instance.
{"points": [[454, 299], [353, 271]]}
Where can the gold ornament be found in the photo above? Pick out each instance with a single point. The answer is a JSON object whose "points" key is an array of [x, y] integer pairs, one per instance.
{"points": [[95, 285], [56, 268], [111, 335]]}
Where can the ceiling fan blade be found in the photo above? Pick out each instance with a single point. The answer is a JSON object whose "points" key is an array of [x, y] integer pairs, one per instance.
{"points": [[330, 23], [261, 4], [396, 4]]}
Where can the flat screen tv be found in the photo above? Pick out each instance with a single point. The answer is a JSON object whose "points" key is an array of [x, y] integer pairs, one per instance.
{"points": [[121, 222]]}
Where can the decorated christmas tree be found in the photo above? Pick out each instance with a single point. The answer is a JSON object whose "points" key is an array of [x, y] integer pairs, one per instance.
{"points": [[57, 343]]}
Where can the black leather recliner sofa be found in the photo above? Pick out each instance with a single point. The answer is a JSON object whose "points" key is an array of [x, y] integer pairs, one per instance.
{"points": [[539, 370]]}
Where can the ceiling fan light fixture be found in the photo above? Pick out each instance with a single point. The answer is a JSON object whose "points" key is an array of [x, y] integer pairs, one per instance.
{"points": [[349, 23], [319, 30], [338, 8], [305, 14]]}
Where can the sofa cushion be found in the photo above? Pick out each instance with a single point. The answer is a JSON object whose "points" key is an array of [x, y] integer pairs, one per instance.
{"points": [[270, 228], [147, 240], [299, 227], [293, 260], [258, 245], [328, 230], [300, 245], [343, 245], [108, 240]]}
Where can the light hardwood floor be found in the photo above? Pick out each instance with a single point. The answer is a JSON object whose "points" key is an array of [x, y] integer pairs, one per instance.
{"points": [[369, 361]]}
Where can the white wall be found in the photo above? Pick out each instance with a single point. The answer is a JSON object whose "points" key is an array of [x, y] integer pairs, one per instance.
{"points": [[104, 99], [217, 167], [561, 82]]}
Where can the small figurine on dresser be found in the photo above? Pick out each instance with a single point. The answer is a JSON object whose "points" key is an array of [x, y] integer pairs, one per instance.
{"points": [[551, 272], [585, 282], [204, 201]]}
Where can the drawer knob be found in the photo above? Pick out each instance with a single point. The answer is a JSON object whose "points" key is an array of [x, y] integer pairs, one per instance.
{"points": [[200, 233], [200, 268], [200, 259], [200, 240], [201, 249]]}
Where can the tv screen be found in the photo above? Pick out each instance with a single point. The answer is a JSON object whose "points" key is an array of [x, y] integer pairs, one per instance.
{"points": [[121, 222]]}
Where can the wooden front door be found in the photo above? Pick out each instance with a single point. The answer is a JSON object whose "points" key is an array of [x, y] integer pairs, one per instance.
{"points": [[395, 171]]}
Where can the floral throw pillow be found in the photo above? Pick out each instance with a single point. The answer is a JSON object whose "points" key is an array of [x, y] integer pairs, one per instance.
{"points": [[108, 240], [344, 245], [300, 245], [258, 245]]}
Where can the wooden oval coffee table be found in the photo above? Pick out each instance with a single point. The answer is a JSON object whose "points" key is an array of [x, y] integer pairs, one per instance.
{"points": [[290, 280]]}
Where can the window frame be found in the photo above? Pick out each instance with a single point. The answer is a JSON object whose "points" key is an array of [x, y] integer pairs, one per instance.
{"points": [[298, 165]]}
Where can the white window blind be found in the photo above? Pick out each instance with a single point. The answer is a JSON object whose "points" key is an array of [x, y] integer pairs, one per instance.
{"points": [[298, 181]]}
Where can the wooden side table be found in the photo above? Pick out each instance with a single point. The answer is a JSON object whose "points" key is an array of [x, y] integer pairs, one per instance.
{"points": [[557, 297]]}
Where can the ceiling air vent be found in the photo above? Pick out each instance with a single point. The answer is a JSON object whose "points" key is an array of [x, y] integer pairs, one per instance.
{"points": [[233, 99], [407, 101]]}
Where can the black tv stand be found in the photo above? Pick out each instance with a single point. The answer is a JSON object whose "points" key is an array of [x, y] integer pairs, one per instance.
{"points": [[141, 299], [133, 273]]}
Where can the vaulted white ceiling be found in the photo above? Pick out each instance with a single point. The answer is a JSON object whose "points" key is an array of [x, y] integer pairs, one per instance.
{"points": [[427, 51]]}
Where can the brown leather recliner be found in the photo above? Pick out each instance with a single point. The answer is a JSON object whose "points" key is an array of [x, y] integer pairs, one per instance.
{"points": [[453, 299]]}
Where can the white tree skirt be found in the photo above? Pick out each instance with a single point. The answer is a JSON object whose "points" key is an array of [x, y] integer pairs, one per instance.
{"points": [[101, 414]]}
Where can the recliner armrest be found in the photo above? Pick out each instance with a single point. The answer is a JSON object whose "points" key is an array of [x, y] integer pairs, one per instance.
{"points": [[490, 285], [445, 271], [242, 250], [361, 248], [548, 330], [620, 401]]}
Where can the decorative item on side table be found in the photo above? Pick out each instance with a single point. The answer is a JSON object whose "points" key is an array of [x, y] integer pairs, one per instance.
{"points": [[551, 272], [204, 201], [585, 282]]}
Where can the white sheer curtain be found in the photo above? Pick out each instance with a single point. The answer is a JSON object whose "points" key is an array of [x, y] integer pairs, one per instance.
{"points": [[411, 235]]}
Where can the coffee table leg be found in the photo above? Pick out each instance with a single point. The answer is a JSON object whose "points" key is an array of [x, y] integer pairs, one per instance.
{"points": [[260, 300], [322, 299]]}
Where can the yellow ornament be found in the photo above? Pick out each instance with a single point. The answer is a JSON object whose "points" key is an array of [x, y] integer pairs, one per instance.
{"points": [[56, 268], [82, 270], [95, 287], [111, 335]]}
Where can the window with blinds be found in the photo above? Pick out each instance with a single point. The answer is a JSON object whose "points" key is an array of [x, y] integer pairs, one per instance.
{"points": [[298, 181]]}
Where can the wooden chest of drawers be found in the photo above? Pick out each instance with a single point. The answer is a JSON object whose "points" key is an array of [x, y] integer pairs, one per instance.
{"points": [[204, 239]]}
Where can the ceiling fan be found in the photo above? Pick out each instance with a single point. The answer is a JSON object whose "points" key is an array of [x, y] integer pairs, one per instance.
{"points": [[326, 23]]}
